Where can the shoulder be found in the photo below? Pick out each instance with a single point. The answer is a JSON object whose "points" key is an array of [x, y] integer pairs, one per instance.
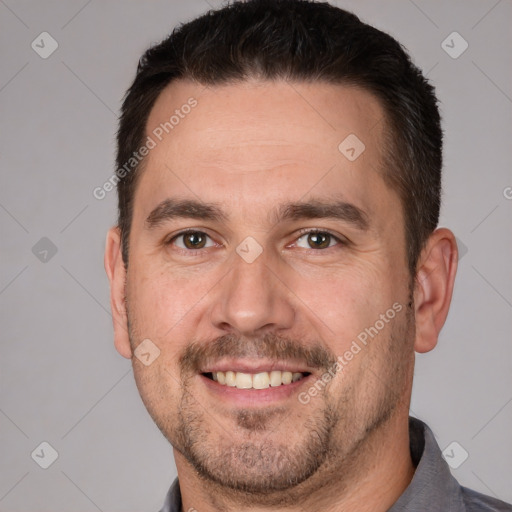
{"points": [[476, 502]]}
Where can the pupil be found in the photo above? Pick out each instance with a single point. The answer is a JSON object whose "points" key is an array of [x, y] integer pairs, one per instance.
{"points": [[320, 240], [194, 240]]}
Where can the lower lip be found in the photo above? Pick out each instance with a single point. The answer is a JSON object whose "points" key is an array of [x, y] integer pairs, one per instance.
{"points": [[254, 397]]}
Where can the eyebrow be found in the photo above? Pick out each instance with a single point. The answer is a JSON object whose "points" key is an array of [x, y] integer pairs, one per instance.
{"points": [[170, 209], [321, 209]]}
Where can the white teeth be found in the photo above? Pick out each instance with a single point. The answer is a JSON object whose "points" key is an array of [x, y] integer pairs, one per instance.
{"points": [[286, 377], [243, 380], [260, 380], [221, 377], [230, 378], [275, 378]]}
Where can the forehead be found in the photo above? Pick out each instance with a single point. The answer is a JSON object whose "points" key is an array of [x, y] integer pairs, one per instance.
{"points": [[267, 141]]}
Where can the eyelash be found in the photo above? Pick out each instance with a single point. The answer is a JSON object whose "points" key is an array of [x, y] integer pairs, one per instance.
{"points": [[340, 243], [306, 231]]}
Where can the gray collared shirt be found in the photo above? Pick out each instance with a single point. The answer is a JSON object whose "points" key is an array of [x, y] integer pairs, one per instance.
{"points": [[433, 488]]}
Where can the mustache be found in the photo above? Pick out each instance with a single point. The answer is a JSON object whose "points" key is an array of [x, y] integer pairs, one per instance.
{"points": [[198, 354]]}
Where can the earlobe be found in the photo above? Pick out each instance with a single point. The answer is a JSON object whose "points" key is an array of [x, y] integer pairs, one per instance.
{"points": [[433, 290], [116, 272]]}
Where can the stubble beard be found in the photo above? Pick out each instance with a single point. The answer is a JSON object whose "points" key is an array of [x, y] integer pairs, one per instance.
{"points": [[262, 470], [258, 465]]}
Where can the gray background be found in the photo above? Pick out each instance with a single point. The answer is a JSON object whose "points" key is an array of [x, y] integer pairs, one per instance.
{"points": [[61, 379]]}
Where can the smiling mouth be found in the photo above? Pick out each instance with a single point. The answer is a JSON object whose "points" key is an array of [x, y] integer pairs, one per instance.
{"points": [[261, 380]]}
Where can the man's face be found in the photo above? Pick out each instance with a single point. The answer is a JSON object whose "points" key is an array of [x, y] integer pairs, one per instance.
{"points": [[262, 284]]}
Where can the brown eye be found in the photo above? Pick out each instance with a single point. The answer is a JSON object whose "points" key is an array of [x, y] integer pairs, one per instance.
{"points": [[194, 240], [319, 240], [191, 240]]}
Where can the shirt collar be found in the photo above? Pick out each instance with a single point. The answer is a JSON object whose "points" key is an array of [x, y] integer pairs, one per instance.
{"points": [[432, 487], [173, 499]]}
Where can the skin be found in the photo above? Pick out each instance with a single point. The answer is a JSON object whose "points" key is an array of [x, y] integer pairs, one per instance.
{"points": [[249, 147]]}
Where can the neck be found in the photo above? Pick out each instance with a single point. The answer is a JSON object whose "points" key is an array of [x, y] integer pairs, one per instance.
{"points": [[375, 477]]}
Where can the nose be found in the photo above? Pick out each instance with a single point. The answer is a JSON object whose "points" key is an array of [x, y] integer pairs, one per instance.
{"points": [[252, 299]]}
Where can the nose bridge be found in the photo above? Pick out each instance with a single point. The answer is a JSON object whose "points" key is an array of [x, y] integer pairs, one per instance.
{"points": [[252, 298]]}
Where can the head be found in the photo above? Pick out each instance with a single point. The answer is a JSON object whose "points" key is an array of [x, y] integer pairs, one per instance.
{"points": [[301, 151]]}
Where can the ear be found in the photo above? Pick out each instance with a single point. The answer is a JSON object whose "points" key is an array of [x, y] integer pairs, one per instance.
{"points": [[116, 272], [433, 289]]}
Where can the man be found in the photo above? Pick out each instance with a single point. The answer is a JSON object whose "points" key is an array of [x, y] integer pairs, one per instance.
{"points": [[277, 261]]}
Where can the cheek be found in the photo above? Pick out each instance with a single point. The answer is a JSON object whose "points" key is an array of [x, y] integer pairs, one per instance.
{"points": [[159, 389], [163, 302], [342, 302]]}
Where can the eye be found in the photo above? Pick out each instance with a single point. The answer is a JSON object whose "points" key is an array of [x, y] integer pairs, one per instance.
{"points": [[316, 239], [190, 240]]}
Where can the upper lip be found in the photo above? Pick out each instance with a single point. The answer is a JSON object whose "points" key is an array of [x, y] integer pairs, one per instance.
{"points": [[256, 366]]}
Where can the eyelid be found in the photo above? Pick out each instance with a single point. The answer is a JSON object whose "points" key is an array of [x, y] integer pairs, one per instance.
{"points": [[341, 240], [306, 231], [172, 238]]}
